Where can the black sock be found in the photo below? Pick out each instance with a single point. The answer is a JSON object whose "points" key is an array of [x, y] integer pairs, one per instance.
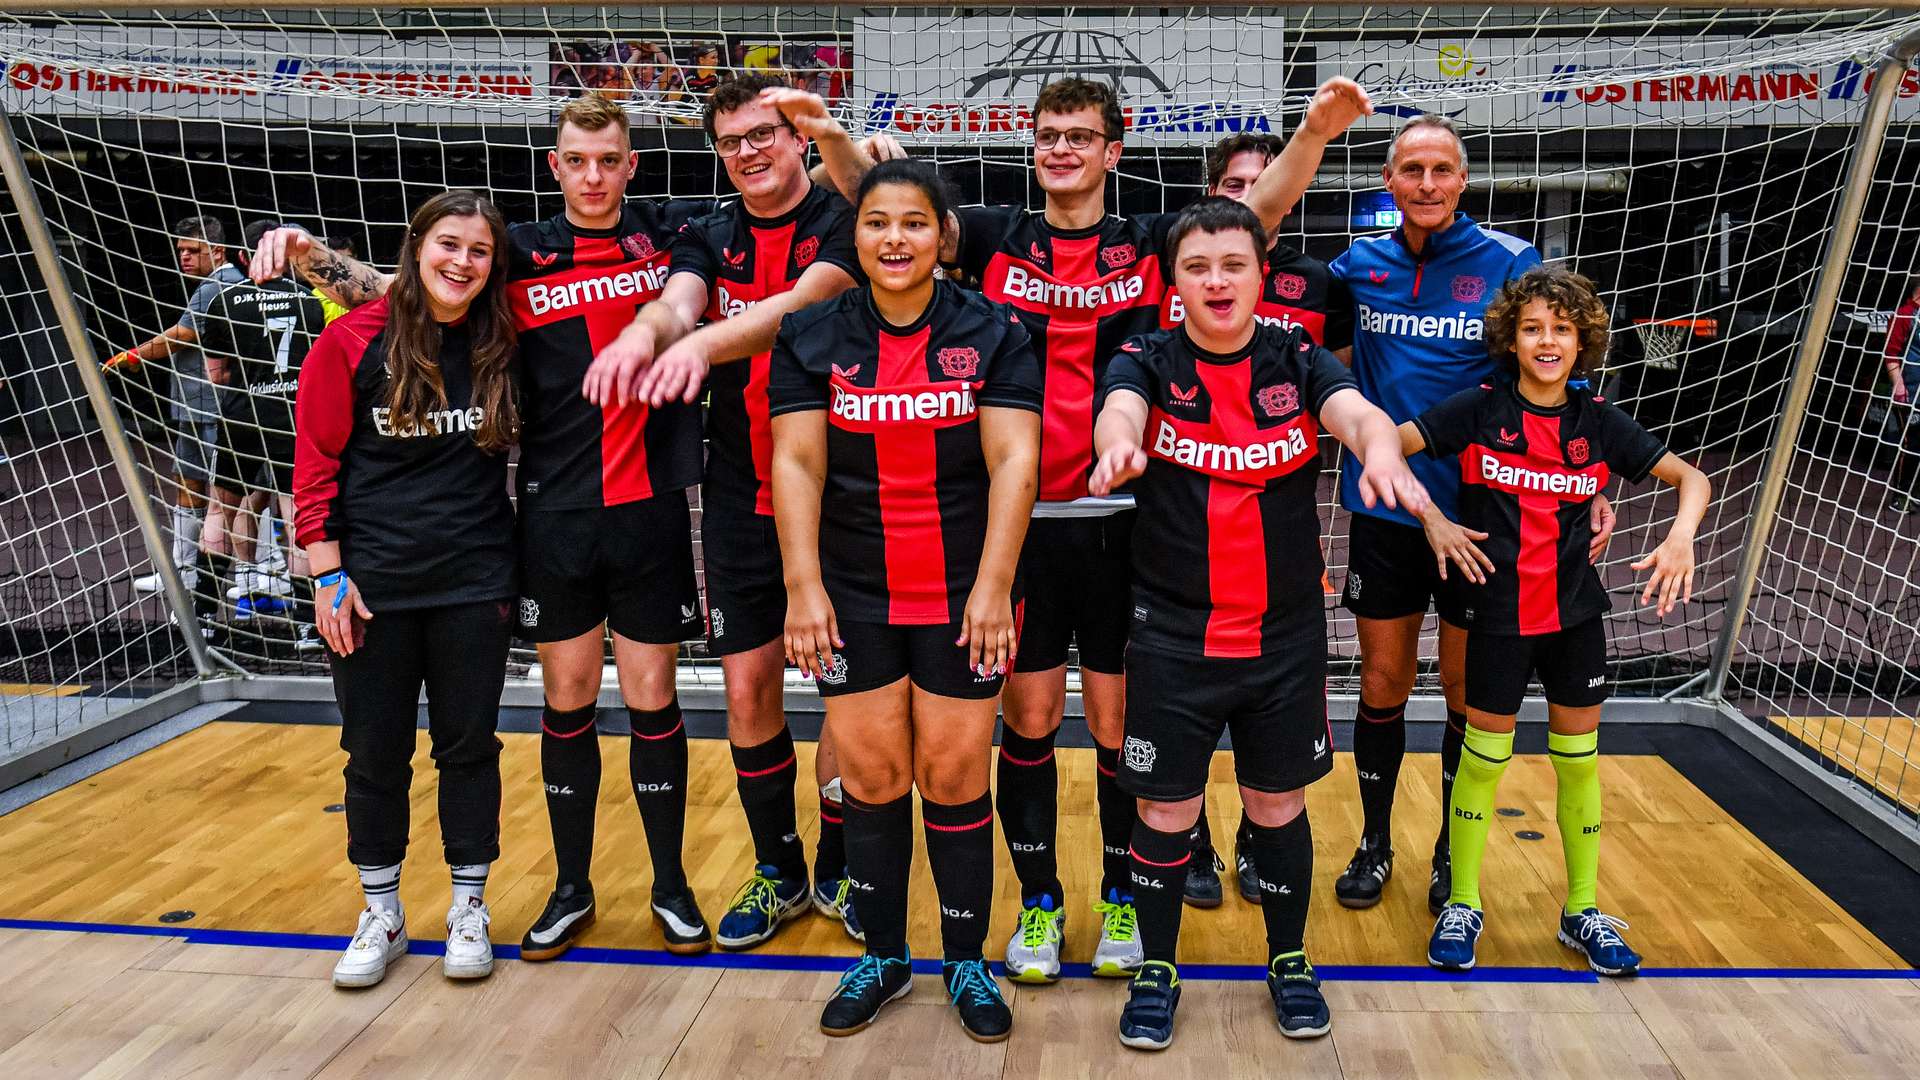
{"points": [[657, 759], [1159, 877], [1202, 835], [570, 769], [960, 852], [830, 857], [1284, 857], [1116, 821], [1379, 746], [302, 612], [766, 775], [1450, 743], [879, 860], [210, 584], [1029, 803]]}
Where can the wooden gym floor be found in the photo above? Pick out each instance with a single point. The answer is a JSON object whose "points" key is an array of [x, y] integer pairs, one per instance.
{"points": [[230, 823]]}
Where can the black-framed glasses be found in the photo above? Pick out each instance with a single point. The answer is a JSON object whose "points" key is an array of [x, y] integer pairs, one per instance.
{"points": [[1078, 138], [759, 138]]}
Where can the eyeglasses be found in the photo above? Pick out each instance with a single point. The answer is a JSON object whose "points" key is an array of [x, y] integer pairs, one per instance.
{"points": [[759, 138], [1078, 138]]}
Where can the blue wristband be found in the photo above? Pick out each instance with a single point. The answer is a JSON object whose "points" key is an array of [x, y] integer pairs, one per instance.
{"points": [[330, 579]]}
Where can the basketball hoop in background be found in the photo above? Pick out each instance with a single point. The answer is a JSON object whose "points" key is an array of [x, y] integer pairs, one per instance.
{"points": [[1664, 341]]}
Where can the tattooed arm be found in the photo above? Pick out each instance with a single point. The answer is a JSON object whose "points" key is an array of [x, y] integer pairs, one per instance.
{"points": [[348, 281]]}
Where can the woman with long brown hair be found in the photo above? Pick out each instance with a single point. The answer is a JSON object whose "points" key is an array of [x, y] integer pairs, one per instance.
{"points": [[405, 412]]}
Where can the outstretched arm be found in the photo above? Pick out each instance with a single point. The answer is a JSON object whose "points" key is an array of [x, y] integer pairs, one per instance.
{"points": [[746, 334], [843, 162], [1369, 434], [1336, 105], [1116, 442], [348, 281], [1672, 562], [624, 371]]}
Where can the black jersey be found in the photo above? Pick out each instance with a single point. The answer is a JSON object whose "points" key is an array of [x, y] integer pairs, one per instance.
{"points": [[1299, 290], [903, 517], [1226, 550], [264, 332], [1079, 293], [1528, 476], [572, 291], [421, 514], [744, 260]]}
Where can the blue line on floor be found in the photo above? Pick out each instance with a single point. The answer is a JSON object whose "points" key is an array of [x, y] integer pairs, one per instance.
{"points": [[590, 954]]}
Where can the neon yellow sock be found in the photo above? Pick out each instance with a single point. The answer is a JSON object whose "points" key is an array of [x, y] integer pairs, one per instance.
{"points": [[1483, 758], [1576, 763]]}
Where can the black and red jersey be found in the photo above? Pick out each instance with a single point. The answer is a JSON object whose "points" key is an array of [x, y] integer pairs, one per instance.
{"points": [[1226, 550], [744, 260], [421, 514], [1528, 476], [903, 516], [573, 290], [1080, 293], [1299, 291]]}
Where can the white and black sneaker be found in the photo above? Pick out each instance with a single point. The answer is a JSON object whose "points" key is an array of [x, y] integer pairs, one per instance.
{"points": [[1367, 874], [681, 923], [469, 949], [379, 940], [568, 914]]}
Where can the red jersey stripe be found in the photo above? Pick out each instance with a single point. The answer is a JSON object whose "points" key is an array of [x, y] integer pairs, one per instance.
{"points": [[1066, 419], [1236, 537], [909, 495], [1539, 564]]}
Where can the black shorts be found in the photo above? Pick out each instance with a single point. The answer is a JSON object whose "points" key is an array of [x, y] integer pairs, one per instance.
{"points": [[629, 566], [1078, 579], [877, 655], [1571, 665], [746, 589], [1177, 706], [250, 458], [1391, 573], [194, 448]]}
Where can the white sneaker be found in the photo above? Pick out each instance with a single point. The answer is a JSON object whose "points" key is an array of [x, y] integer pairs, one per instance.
{"points": [[469, 952], [1033, 956], [243, 584], [150, 583], [1119, 954], [308, 640], [268, 584], [379, 940]]}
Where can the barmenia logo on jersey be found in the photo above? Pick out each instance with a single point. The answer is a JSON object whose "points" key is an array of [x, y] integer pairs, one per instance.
{"points": [[1216, 457], [1497, 473], [856, 405], [439, 422], [1040, 290], [545, 299], [1459, 326]]}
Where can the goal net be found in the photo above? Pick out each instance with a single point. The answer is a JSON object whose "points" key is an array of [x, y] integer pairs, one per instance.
{"points": [[1688, 160]]}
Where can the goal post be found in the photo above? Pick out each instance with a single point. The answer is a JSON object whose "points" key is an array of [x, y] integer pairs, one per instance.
{"points": [[1688, 159]]}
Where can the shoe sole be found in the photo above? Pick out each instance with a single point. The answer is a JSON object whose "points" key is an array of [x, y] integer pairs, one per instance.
{"points": [[1115, 971], [841, 1033], [538, 953], [1358, 903], [1142, 1042], [780, 920], [476, 971], [1612, 973], [370, 978], [1202, 902], [1306, 1033], [1431, 962], [1033, 977], [979, 1038]]}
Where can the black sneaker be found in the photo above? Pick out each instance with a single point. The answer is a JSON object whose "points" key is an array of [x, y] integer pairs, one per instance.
{"points": [[1297, 1002], [1366, 875], [568, 915], [866, 987], [1147, 1021], [681, 923], [1246, 872], [984, 1015], [1440, 885], [1202, 889]]}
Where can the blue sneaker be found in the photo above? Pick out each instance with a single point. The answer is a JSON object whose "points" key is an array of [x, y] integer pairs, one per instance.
{"points": [[762, 904], [984, 1014], [1593, 935], [867, 987], [834, 899], [1298, 1006], [1455, 933], [1146, 1023], [245, 608]]}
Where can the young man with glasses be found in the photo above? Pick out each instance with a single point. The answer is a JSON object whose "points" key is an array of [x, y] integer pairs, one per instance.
{"points": [[786, 243]]}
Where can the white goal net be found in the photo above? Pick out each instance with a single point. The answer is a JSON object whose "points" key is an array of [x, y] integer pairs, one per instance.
{"points": [[1688, 160]]}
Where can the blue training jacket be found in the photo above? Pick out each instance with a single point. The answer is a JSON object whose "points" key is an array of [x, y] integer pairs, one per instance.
{"points": [[1419, 333]]}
